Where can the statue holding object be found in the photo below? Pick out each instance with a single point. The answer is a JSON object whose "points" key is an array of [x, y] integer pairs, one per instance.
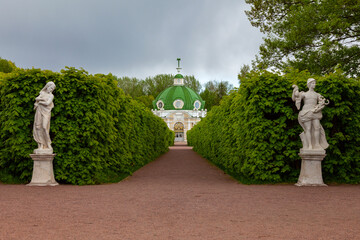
{"points": [[313, 137], [41, 131], [43, 173]]}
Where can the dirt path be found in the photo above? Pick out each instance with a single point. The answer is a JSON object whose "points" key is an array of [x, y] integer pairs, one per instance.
{"points": [[179, 196]]}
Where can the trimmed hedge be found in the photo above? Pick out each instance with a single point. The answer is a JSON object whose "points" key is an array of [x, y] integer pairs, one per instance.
{"points": [[254, 134], [98, 133]]}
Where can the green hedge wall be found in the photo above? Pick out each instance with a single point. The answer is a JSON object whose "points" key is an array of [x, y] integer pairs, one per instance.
{"points": [[254, 134], [98, 133]]}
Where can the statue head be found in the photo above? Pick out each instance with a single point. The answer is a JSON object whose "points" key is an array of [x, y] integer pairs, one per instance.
{"points": [[309, 81], [50, 86]]}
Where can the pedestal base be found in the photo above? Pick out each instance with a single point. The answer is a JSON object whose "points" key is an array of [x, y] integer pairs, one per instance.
{"points": [[43, 173], [311, 174]]}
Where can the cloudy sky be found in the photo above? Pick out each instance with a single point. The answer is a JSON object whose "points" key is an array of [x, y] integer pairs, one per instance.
{"points": [[135, 38]]}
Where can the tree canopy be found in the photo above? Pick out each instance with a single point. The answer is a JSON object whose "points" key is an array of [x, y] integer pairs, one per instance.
{"points": [[312, 35], [213, 93], [6, 66]]}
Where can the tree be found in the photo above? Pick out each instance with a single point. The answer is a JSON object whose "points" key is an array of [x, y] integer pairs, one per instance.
{"points": [[146, 100], [312, 35], [6, 66], [244, 70], [155, 85], [213, 93], [210, 98], [191, 82], [131, 86]]}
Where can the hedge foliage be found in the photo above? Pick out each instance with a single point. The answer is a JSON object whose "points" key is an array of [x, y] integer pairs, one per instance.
{"points": [[98, 133], [254, 133]]}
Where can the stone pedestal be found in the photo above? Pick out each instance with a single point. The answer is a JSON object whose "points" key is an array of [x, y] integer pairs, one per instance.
{"points": [[311, 174], [43, 173]]}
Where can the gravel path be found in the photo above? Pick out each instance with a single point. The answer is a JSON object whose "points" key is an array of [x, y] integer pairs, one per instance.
{"points": [[179, 196]]}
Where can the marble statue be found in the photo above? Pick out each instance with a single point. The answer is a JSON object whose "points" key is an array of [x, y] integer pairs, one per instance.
{"points": [[41, 131], [313, 137]]}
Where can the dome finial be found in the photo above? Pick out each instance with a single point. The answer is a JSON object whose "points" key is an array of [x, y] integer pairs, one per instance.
{"points": [[178, 68], [179, 79]]}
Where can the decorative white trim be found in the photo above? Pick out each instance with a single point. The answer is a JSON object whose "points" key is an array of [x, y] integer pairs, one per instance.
{"points": [[178, 104], [190, 113], [178, 82], [160, 105], [195, 103]]}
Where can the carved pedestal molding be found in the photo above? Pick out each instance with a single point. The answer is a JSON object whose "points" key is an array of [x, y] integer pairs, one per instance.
{"points": [[43, 173], [311, 174]]}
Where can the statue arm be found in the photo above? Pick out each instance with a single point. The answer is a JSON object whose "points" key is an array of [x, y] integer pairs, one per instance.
{"points": [[296, 96], [46, 101], [37, 101], [321, 103]]}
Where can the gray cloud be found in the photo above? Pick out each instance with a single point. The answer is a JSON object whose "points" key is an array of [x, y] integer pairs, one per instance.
{"points": [[130, 38]]}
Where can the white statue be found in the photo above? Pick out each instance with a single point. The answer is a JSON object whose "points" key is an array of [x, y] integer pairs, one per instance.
{"points": [[41, 131], [313, 137]]}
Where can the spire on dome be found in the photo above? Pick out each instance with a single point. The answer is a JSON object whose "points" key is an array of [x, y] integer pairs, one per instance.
{"points": [[179, 79], [178, 68]]}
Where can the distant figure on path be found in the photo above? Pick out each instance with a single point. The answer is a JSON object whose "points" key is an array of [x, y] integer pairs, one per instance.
{"points": [[41, 131], [310, 115]]}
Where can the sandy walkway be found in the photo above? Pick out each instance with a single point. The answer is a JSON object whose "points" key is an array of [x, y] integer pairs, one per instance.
{"points": [[179, 196]]}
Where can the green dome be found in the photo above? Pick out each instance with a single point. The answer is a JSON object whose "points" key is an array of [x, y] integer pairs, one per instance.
{"points": [[186, 95], [179, 76]]}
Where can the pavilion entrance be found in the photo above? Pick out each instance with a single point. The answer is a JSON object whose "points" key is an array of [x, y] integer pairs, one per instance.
{"points": [[179, 132]]}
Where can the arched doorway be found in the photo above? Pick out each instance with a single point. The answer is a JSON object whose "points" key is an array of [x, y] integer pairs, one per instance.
{"points": [[179, 132]]}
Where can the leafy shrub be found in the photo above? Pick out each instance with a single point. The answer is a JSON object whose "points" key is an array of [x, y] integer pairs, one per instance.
{"points": [[98, 133], [254, 133], [6, 66]]}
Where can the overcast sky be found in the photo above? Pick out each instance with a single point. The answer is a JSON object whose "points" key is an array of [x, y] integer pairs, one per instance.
{"points": [[135, 38]]}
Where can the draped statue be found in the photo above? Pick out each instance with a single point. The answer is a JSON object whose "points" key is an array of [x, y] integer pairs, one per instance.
{"points": [[313, 137], [41, 130]]}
